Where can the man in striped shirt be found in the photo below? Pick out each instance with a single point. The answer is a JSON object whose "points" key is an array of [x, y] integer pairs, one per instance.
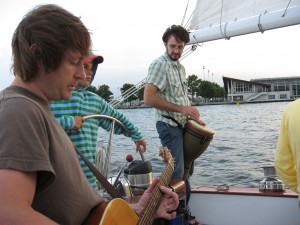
{"points": [[70, 113]]}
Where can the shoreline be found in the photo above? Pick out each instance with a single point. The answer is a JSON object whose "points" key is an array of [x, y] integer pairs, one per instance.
{"points": [[209, 103]]}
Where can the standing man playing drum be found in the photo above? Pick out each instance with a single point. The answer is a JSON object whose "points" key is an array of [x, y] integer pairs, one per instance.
{"points": [[166, 90]]}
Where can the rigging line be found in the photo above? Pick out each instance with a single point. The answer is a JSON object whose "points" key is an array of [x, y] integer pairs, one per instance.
{"points": [[124, 97], [189, 51], [188, 22], [259, 24], [221, 21], [185, 13], [283, 15], [184, 55], [197, 42]]}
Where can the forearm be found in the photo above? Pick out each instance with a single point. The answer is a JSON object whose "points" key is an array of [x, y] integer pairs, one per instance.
{"points": [[17, 193], [161, 104], [24, 216], [67, 122]]}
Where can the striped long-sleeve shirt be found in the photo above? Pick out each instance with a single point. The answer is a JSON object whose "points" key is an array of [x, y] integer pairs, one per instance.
{"points": [[83, 103]]}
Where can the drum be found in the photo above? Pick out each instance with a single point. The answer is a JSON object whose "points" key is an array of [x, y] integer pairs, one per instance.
{"points": [[195, 141]]}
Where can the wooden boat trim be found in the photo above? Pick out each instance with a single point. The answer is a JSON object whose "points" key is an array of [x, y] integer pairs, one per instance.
{"points": [[244, 191]]}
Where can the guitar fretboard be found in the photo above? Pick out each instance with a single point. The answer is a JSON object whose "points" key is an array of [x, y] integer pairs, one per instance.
{"points": [[147, 216]]}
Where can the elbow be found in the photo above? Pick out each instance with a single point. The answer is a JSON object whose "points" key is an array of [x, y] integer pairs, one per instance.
{"points": [[150, 94], [146, 100]]}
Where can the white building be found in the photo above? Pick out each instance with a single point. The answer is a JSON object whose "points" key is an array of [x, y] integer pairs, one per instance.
{"points": [[264, 89]]}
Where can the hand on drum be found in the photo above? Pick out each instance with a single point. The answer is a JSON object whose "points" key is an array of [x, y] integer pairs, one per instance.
{"points": [[193, 113], [200, 122]]}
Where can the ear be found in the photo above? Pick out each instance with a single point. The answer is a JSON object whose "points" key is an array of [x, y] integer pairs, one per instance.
{"points": [[35, 53], [33, 49]]}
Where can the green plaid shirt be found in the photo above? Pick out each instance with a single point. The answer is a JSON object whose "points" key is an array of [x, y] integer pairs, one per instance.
{"points": [[170, 78]]}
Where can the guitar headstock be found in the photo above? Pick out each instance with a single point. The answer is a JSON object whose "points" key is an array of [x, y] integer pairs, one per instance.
{"points": [[166, 155]]}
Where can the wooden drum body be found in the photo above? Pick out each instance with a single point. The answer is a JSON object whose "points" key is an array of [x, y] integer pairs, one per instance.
{"points": [[195, 141]]}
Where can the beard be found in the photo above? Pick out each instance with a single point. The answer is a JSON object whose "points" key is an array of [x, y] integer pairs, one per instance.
{"points": [[174, 57]]}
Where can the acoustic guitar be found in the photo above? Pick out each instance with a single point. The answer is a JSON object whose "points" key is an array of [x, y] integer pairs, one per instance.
{"points": [[118, 211]]}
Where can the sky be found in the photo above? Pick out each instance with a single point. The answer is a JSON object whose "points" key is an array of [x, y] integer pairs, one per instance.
{"points": [[128, 35]]}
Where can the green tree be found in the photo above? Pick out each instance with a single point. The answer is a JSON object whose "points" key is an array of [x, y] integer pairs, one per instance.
{"points": [[193, 85], [126, 91], [103, 91], [219, 91], [140, 94], [206, 89], [92, 89]]}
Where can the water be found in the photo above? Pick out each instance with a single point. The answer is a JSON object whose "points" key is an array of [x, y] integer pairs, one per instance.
{"points": [[245, 140]]}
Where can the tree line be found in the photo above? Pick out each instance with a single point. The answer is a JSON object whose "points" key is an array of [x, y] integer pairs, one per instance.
{"points": [[198, 90]]}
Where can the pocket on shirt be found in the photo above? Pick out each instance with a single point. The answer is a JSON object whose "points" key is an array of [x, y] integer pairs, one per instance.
{"points": [[176, 89]]}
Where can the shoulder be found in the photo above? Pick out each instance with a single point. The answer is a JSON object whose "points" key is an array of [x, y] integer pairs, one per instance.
{"points": [[14, 101], [160, 61], [94, 96], [294, 105], [291, 111]]}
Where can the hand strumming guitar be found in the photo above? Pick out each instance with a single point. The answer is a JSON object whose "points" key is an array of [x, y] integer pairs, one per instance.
{"points": [[168, 203]]}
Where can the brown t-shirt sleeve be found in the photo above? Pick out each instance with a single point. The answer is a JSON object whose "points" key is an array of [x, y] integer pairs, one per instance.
{"points": [[23, 138]]}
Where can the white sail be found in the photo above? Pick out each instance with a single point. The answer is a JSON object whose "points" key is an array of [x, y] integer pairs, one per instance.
{"points": [[223, 19]]}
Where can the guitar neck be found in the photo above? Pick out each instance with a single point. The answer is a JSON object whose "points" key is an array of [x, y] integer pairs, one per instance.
{"points": [[147, 216]]}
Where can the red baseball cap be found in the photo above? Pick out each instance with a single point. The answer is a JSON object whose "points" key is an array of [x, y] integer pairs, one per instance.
{"points": [[96, 59]]}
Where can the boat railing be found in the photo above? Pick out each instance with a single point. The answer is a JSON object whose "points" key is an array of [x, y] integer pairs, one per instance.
{"points": [[128, 93], [103, 155]]}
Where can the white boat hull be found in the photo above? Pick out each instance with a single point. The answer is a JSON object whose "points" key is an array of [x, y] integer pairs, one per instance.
{"points": [[244, 206]]}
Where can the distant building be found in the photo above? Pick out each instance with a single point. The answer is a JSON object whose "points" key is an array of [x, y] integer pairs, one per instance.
{"points": [[264, 89]]}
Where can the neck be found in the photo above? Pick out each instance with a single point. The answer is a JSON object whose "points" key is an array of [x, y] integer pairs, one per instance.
{"points": [[30, 86]]}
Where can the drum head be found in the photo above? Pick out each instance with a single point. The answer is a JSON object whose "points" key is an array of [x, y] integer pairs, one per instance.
{"points": [[199, 129]]}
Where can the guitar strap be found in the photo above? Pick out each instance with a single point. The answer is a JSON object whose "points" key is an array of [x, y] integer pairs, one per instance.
{"points": [[103, 181], [175, 121]]}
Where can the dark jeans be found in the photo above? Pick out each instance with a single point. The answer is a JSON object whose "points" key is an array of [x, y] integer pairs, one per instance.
{"points": [[172, 137]]}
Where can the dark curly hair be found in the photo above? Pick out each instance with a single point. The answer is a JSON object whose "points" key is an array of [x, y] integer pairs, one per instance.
{"points": [[179, 32]]}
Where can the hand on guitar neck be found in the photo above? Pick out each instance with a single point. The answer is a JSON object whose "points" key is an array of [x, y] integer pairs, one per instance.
{"points": [[177, 184], [157, 201]]}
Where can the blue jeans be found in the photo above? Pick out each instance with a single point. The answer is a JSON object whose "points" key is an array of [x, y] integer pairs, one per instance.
{"points": [[172, 137]]}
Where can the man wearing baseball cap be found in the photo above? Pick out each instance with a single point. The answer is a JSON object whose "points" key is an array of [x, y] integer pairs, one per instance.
{"points": [[70, 113]]}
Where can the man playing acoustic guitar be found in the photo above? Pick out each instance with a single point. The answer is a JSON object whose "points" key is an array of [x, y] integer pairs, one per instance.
{"points": [[41, 179]]}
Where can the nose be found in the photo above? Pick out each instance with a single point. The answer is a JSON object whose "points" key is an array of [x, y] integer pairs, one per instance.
{"points": [[177, 49], [80, 73]]}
